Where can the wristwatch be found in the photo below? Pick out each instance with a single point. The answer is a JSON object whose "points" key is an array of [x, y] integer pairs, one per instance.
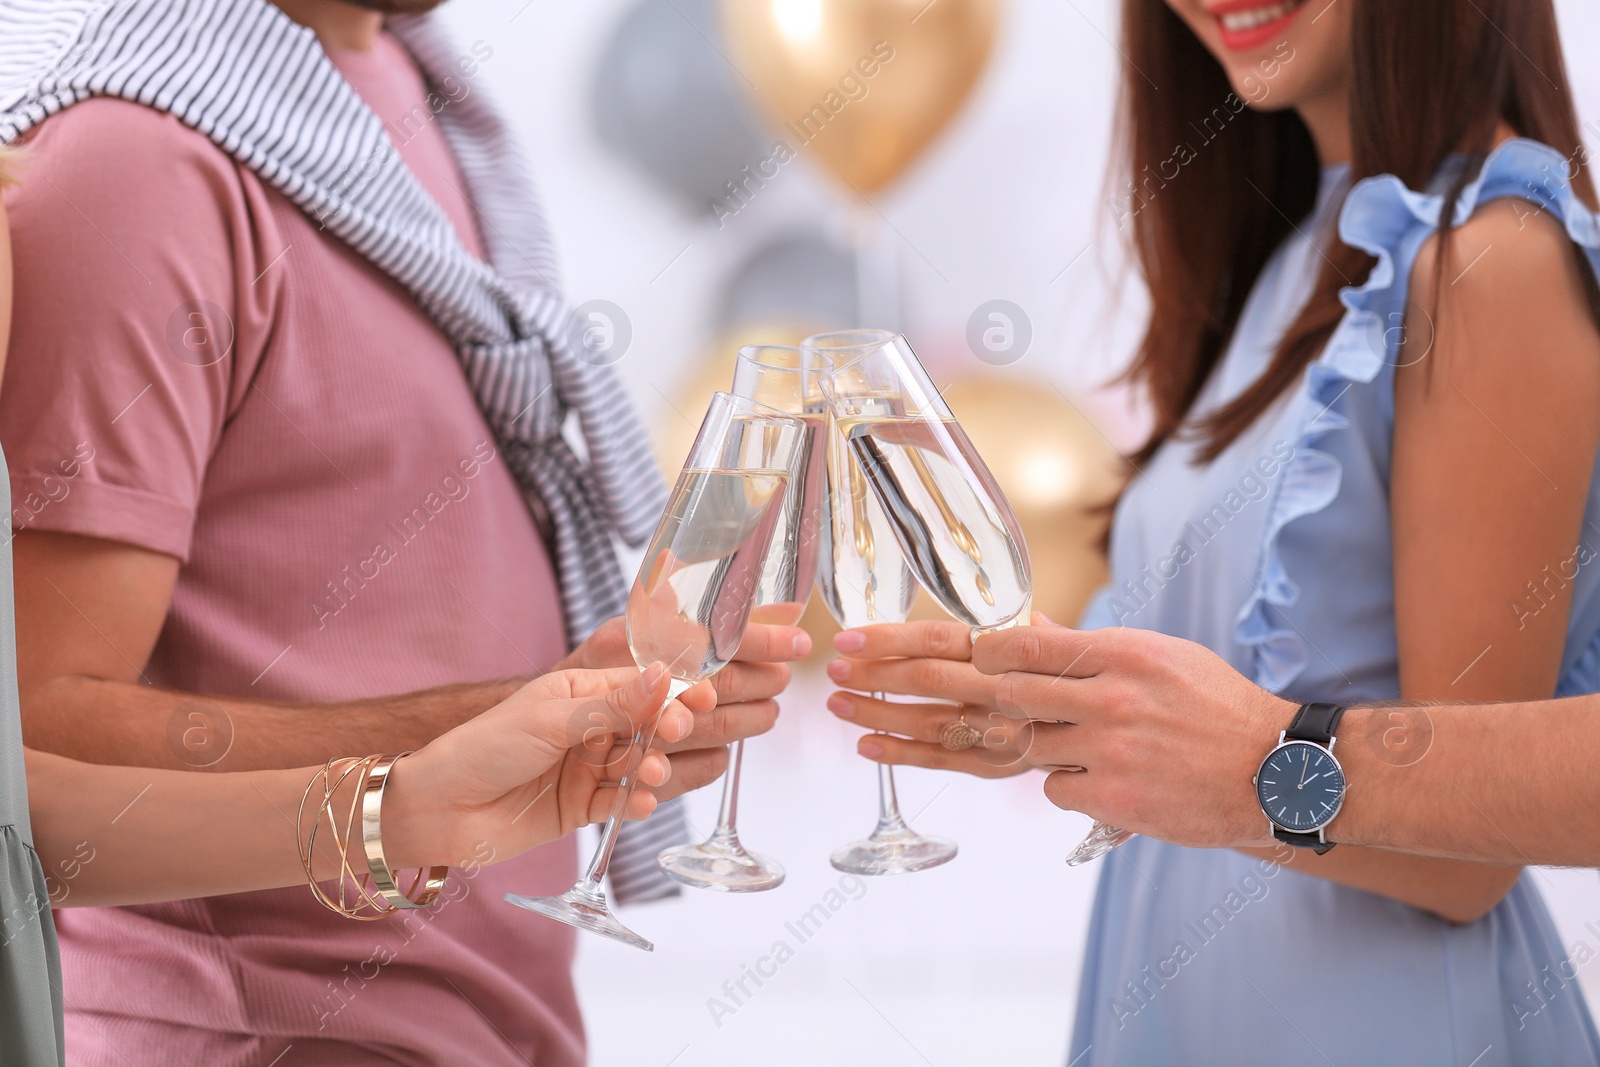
{"points": [[1300, 785]]}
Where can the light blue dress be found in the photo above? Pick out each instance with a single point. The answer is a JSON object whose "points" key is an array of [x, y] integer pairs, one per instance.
{"points": [[1278, 557]]}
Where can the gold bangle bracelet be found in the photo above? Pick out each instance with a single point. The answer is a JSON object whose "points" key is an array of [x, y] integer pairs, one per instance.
{"points": [[349, 883], [431, 881]]}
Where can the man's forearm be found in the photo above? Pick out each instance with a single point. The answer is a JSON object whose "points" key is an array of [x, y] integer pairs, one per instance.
{"points": [[1171, 735], [1503, 783], [100, 721]]}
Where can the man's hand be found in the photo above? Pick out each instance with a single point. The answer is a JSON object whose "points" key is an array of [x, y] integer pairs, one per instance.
{"points": [[737, 702], [923, 659], [1166, 734]]}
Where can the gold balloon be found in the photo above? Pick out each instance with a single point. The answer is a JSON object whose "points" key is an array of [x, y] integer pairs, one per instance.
{"points": [[866, 85], [1056, 469]]}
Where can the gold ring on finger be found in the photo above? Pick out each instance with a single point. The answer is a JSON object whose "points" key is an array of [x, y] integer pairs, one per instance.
{"points": [[959, 735]]}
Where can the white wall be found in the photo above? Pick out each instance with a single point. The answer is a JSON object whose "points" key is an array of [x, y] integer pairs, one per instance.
{"points": [[975, 962]]}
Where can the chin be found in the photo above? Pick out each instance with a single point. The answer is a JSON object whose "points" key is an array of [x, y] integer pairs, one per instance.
{"points": [[398, 7], [1260, 95]]}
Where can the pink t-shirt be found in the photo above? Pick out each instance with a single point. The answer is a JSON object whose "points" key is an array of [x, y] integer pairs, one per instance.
{"points": [[230, 385]]}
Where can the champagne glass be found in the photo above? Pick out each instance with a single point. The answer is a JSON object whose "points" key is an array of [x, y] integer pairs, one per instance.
{"points": [[952, 520], [948, 515], [1101, 838], [692, 599], [773, 375], [864, 579]]}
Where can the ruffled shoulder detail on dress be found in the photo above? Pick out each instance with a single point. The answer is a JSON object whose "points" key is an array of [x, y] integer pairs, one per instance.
{"points": [[1385, 218]]}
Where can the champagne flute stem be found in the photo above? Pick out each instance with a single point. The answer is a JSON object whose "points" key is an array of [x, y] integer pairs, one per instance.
{"points": [[642, 740], [728, 814], [890, 821], [889, 818]]}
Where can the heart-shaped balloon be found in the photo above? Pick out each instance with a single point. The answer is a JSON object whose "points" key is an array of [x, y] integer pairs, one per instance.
{"points": [[863, 86]]}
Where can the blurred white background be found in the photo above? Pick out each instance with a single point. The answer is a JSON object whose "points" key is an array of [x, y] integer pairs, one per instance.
{"points": [[975, 962]]}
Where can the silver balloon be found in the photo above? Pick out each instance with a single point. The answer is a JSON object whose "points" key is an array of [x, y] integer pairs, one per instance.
{"points": [[799, 277], [663, 99]]}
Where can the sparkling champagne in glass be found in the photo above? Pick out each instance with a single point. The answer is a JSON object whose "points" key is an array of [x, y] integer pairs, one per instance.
{"points": [[772, 375], [949, 515], [692, 599], [939, 499], [953, 521], [864, 579]]}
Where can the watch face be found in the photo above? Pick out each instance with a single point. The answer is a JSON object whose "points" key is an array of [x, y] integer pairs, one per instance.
{"points": [[1300, 786]]}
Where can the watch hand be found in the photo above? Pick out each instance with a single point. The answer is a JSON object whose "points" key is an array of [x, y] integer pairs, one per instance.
{"points": [[1306, 766]]}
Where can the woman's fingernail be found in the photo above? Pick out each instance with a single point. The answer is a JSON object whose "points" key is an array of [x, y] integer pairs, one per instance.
{"points": [[802, 645], [869, 748], [839, 670], [850, 641], [1040, 616], [652, 676], [842, 706]]}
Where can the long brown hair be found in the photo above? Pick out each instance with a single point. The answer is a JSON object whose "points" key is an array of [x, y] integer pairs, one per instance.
{"points": [[1430, 78]]}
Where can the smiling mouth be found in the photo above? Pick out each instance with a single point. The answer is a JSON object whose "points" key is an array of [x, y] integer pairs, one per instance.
{"points": [[1248, 25]]}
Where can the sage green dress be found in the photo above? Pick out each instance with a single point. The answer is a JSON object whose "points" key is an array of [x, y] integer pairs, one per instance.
{"points": [[30, 967]]}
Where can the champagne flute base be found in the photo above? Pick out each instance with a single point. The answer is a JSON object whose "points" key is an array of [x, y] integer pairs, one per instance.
{"points": [[721, 865], [897, 851], [1101, 839], [584, 909]]}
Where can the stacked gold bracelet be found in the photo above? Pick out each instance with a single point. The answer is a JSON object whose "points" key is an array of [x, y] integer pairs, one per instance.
{"points": [[372, 893]]}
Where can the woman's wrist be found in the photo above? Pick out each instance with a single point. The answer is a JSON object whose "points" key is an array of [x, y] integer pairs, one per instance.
{"points": [[325, 865], [413, 820]]}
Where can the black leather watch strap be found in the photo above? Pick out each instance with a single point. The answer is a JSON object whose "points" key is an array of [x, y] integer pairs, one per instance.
{"points": [[1315, 723], [1312, 841]]}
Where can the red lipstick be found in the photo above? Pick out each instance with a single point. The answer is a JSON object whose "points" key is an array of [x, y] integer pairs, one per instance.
{"points": [[1248, 24]]}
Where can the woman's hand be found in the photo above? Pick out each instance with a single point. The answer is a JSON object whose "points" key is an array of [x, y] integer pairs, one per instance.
{"points": [[546, 761], [532, 768], [924, 659]]}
